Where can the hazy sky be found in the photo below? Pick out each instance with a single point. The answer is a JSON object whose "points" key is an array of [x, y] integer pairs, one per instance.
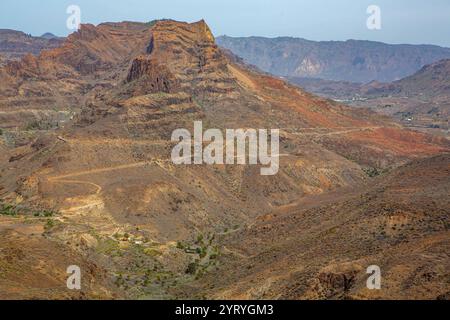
{"points": [[403, 21]]}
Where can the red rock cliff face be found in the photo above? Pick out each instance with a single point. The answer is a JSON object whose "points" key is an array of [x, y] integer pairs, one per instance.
{"points": [[182, 56], [182, 49], [101, 48], [26, 68], [156, 77]]}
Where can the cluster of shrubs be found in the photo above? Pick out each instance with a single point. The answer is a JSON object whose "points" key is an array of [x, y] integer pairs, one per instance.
{"points": [[12, 210], [7, 209], [372, 172], [202, 245], [45, 213]]}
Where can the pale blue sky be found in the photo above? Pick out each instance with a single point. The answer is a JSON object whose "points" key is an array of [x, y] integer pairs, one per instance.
{"points": [[403, 21]]}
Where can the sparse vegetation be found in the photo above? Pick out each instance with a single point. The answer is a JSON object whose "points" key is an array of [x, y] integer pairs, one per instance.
{"points": [[192, 268], [40, 125], [8, 209], [152, 252], [45, 213], [180, 245], [372, 172], [14, 210], [108, 247], [206, 255], [49, 224]]}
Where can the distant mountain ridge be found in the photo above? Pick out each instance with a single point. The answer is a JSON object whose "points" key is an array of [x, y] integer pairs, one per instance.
{"points": [[16, 44], [420, 99], [49, 35], [351, 60], [431, 81]]}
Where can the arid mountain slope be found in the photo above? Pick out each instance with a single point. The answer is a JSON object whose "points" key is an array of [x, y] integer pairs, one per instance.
{"points": [[45, 92], [420, 100], [105, 172], [431, 80], [321, 247], [34, 267]]}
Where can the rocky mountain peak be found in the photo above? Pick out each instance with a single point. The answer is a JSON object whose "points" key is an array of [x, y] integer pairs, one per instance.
{"points": [[180, 53]]}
